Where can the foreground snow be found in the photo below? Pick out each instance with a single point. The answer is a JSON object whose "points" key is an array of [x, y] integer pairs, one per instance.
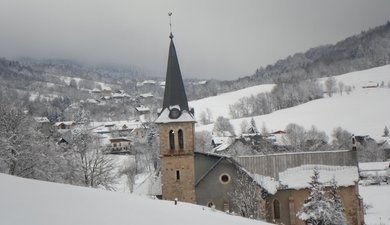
{"points": [[378, 196], [363, 112], [31, 202]]}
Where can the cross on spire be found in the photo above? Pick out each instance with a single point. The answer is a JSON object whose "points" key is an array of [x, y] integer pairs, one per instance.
{"points": [[170, 25]]}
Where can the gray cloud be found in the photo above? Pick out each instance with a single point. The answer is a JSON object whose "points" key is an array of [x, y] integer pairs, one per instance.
{"points": [[221, 39]]}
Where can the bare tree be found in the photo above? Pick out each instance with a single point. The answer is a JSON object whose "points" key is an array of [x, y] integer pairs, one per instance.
{"points": [[94, 168], [223, 124], [341, 87], [330, 86]]}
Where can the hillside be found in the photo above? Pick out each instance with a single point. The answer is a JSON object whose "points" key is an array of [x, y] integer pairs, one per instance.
{"points": [[365, 111], [362, 51], [34, 202]]}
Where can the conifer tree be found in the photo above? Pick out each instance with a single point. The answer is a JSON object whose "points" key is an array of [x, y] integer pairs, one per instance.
{"points": [[386, 132], [316, 208], [336, 206]]}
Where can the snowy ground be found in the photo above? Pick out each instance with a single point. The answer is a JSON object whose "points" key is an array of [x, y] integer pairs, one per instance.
{"points": [[363, 112], [31, 202], [378, 196]]}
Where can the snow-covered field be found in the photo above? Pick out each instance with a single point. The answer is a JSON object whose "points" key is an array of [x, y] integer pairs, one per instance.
{"points": [[365, 111], [31, 202], [24, 201], [378, 196]]}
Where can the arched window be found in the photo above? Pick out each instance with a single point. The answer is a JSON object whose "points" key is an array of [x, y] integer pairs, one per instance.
{"points": [[276, 209], [172, 140], [181, 139]]}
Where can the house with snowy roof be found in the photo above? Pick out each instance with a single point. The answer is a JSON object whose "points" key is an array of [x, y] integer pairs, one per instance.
{"points": [[65, 125]]}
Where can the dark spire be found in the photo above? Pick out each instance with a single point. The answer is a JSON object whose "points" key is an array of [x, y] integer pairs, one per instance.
{"points": [[174, 88]]}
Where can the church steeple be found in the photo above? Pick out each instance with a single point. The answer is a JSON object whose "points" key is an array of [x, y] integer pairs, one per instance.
{"points": [[174, 94], [177, 136], [175, 105]]}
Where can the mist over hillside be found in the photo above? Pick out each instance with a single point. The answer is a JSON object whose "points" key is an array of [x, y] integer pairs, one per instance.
{"points": [[362, 51]]}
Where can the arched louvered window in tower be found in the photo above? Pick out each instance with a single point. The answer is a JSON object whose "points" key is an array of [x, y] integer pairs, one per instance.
{"points": [[172, 140], [181, 139]]}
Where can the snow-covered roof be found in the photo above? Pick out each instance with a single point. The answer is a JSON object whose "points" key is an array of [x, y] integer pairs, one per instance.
{"points": [[299, 177], [146, 95], [67, 123], [140, 84], [92, 101], [142, 108], [220, 140], [107, 127], [41, 120], [184, 117], [371, 166], [268, 183], [118, 95], [222, 147]]}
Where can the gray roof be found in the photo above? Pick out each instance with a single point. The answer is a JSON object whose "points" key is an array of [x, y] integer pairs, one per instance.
{"points": [[174, 88]]}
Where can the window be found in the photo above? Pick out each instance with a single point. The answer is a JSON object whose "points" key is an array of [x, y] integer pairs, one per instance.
{"points": [[224, 178], [276, 209], [172, 140], [181, 139], [177, 174]]}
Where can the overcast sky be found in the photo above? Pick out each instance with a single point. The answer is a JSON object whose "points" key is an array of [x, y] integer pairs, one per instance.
{"points": [[221, 39]]}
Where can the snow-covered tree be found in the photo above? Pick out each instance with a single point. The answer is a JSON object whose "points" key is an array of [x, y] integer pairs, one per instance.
{"points": [[330, 86], [253, 127], [386, 132], [336, 205], [245, 196], [203, 141], [341, 139], [316, 209], [295, 136], [223, 124]]}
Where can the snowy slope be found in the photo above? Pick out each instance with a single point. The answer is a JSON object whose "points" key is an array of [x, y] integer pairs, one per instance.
{"points": [[31, 202], [219, 105], [365, 111]]}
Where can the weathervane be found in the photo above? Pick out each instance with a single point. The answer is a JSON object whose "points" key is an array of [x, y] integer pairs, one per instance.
{"points": [[170, 24]]}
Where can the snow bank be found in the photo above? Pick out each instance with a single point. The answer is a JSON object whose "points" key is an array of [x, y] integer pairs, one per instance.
{"points": [[33, 202]]}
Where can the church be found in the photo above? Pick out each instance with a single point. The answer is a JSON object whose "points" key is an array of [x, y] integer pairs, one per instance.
{"points": [[280, 181]]}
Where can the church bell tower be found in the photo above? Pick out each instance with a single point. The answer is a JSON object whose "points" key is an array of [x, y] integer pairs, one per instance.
{"points": [[177, 141]]}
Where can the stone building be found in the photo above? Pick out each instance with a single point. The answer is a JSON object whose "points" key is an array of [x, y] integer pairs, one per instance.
{"points": [[209, 179]]}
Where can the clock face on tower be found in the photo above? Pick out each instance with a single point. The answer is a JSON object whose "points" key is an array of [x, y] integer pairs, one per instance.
{"points": [[174, 113]]}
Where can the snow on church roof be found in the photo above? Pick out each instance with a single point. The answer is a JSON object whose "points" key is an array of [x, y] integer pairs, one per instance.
{"points": [[299, 177], [184, 117]]}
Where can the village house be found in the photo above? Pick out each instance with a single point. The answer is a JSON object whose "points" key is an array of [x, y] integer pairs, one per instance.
{"points": [[119, 146], [65, 125]]}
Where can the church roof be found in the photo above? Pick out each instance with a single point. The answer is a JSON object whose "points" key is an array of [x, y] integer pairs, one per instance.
{"points": [[174, 88]]}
